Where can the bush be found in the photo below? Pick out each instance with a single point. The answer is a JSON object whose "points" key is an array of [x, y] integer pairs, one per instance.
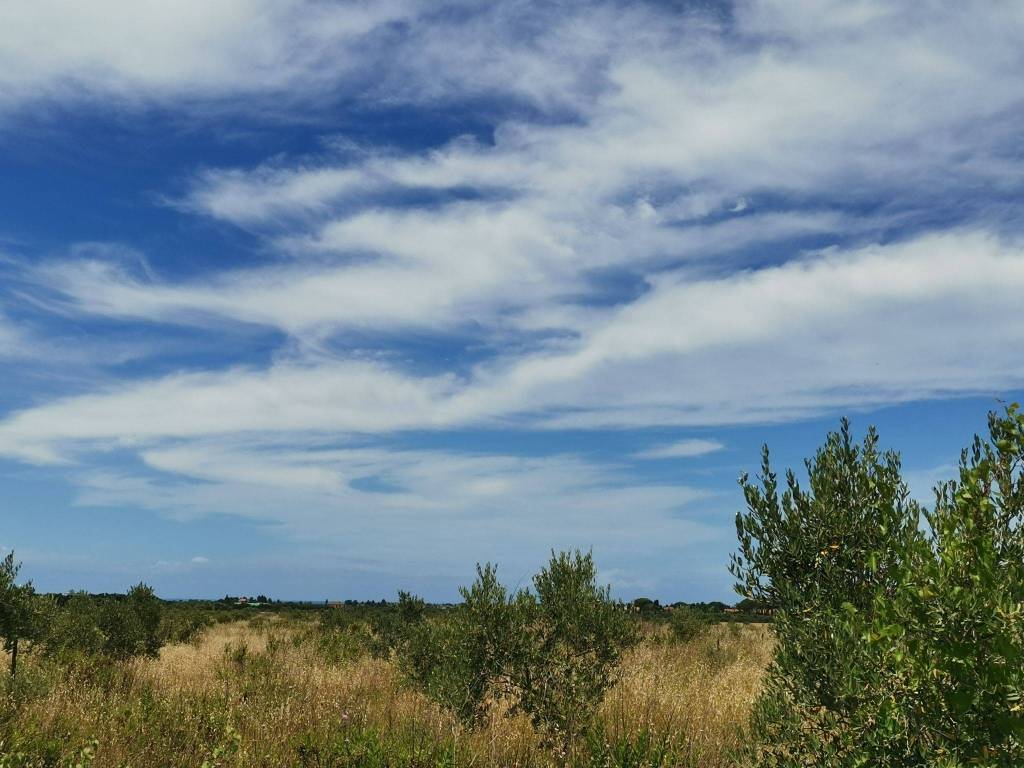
{"points": [[73, 628], [553, 652], [339, 639], [19, 609], [688, 624], [463, 660], [183, 626], [132, 626], [948, 647], [574, 639], [117, 627], [392, 626], [899, 644]]}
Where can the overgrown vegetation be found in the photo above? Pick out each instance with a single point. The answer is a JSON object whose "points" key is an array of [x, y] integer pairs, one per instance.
{"points": [[266, 691], [897, 639]]}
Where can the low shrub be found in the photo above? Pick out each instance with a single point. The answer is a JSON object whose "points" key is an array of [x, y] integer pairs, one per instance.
{"points": [[687, 624], [574, 638], [553, 651], [358, 747], [116, 627], [464, 659]]}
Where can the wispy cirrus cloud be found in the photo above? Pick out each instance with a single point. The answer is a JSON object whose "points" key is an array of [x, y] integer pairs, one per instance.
{"points": [[842, 329], [683, 449], [656, 218], [435, 505], [112, 50]]}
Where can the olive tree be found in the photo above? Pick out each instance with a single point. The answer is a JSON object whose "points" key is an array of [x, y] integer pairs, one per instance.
{"points": [[551, 651], [119, 627], [947, 650], [463, 659], [900, 630], [575, 639], [18, 609], [131, 626]]}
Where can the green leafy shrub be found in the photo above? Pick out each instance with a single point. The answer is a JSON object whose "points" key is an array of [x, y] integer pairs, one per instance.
{"points": [[132, 626], [900, 631], [948, 646], [574, 639], [392, 627], [553, 652], [345, 641], [183, 626], [44, 751], [358, 747], [688, 624], [73, 628], [116, 627], [644, 749], [19, 609], [463, 659]]}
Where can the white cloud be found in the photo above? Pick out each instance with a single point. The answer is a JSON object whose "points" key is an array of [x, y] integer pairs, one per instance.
{"points": [[683, 449], [179, 566], [12, 340], [285, 55], [343, 397], [435, 505], [147, 50], [867, 106], [841, 329], [486, 264], [844, 329], [684, 160]]}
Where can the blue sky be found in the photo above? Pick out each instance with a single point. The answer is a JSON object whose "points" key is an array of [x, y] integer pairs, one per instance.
{"points": [[324, 299]]}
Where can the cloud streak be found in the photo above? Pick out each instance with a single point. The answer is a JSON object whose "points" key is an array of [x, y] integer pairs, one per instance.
{"points": [[684, 449], [657, 218]]}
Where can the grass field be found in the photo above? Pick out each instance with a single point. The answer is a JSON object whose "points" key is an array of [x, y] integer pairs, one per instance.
{"points": [[265, 693]]}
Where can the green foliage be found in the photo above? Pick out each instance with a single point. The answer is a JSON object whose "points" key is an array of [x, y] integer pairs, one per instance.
{"points": [[44, 751], [900, 644], [574, 640], [224, 748], [462, 659], [833, 542], [949, 645], [808, 554], [553, 652], [131, 626], [688, 624], [391, 627], [183, 625], [645, 749], [359, 747], [73, 628], [19, 608], [647, 608], [119, 627], [339, 640]]}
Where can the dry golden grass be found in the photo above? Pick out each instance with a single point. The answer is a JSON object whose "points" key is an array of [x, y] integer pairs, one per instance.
{"points": [[701, 692], [207, 702]]}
